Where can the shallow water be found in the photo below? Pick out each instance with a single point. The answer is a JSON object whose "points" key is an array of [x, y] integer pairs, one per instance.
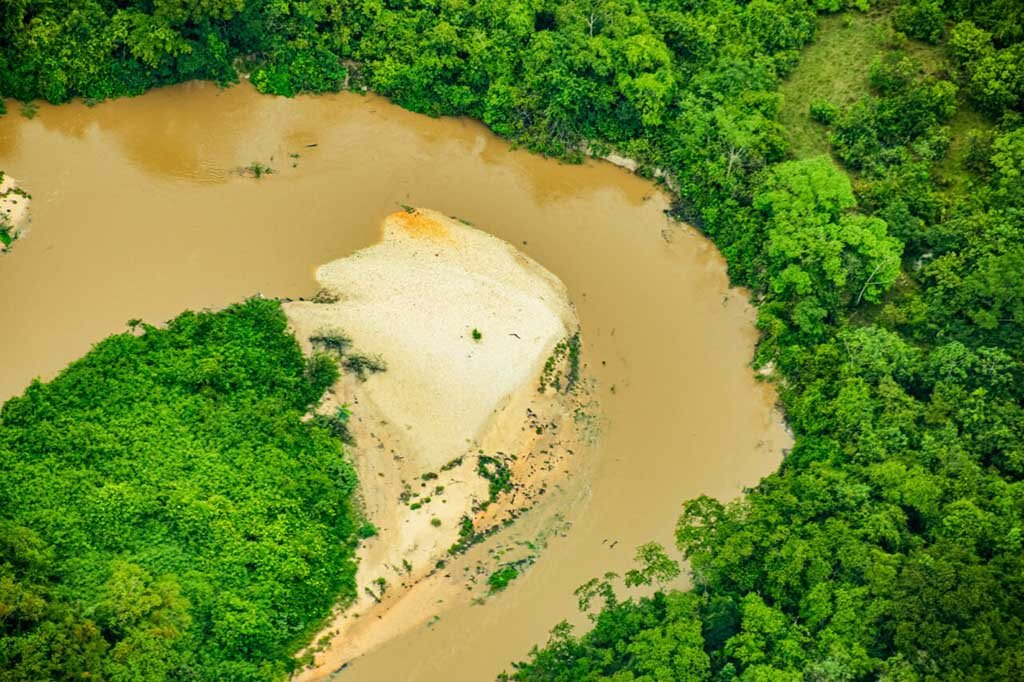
{"points": [[137, 213]]}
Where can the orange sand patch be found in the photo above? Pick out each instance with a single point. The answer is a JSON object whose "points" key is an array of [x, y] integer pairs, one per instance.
{"points": [[419, 224]]}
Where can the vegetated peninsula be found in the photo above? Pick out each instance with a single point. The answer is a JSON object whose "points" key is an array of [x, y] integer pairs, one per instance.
{"points": [[14, 204], [458, 401], [167, 510], [183, 501]]}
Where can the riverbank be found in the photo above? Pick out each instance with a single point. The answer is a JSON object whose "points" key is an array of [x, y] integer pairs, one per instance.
{"points": [[458, 398]]}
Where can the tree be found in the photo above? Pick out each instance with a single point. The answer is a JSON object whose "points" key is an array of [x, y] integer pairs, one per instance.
{"points": [[815, 249]]}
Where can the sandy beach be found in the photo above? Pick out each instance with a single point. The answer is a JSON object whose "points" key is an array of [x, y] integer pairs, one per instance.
{"points": [[14, 204], [465, 326]]}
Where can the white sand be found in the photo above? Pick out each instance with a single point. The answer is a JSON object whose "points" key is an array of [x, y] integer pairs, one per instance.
{"points": [[414, 300], [13, 206]]}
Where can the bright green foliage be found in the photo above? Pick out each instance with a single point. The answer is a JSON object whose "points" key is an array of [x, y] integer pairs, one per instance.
{"points": [[500, 579], [655, 566], [657, 639], [166, 513], [823, 112], [820, 252], [992, 75]]}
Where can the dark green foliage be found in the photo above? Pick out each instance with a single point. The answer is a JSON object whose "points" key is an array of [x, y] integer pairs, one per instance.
{"points": [[337, 424], [363, 365], [900, 123], [567, 350], [922, 19], [497, 473], [337, 345], [256, 170], [452, 464], [573, 374], [166, 513], [330, 341], [467, 537]]}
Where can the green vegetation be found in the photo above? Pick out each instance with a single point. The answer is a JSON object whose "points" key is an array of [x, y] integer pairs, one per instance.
{"points": [[331, 341], [499, 579], [564, 362], [336, 344], [7, 233], [166, 513], [866, 191], [498, 475], [337, 424], [452, 464], [363, 365], [832, 71], [256, 170], [477, 334], [467, 537]]}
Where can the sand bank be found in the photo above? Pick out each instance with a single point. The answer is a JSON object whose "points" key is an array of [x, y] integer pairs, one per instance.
{"points": [[465, 325], [14, 203]]}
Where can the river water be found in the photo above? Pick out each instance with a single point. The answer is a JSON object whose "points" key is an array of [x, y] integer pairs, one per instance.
{"points": [[138, 212]]}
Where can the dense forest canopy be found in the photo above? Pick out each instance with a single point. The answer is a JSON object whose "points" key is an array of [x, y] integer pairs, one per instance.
{"points": [[165, 511], [887, 262]]}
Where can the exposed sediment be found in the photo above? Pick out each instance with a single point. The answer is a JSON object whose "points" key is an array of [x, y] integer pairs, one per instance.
{"points": [[470, 422], [14, 204]]}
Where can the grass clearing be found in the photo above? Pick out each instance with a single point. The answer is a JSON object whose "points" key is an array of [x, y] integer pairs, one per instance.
{"points": [[833, 68]]}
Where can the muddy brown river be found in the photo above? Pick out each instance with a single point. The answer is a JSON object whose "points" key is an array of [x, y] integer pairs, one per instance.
{"points": [[138, 213]]}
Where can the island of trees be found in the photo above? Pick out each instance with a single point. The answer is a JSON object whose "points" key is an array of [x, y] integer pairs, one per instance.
{"points": [[860, 165]]}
